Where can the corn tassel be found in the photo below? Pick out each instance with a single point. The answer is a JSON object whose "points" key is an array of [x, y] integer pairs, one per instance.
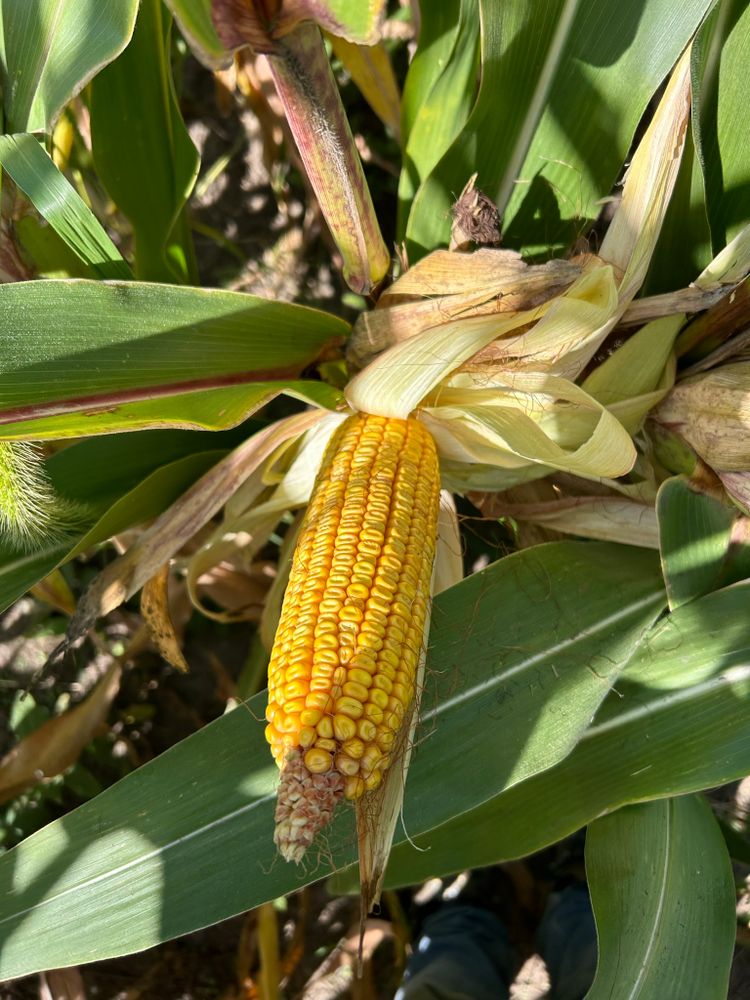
{"points": [[342, 672]]}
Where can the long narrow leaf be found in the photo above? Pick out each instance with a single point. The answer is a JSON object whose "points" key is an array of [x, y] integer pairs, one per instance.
{"points": [[598, 87], [119, 347], [675, 723], [663, 894], [695, 532], [142, 151], [26, 162], [721, 91]]}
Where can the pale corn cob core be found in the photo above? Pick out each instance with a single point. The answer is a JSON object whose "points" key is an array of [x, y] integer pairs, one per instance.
{"points": [[343, 665]]}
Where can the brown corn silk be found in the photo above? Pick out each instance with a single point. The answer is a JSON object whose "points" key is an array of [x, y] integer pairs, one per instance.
{"points": [[341, 678]]}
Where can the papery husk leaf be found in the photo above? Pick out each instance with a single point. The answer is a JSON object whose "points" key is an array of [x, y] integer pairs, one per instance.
{"points": [[378, 812], [608, 519], [634, 230], [686, 300], [445, 286], [639, 374], [464, 476], [737, 485], [371, 70], [248, 524], [528, 417], [395, 382], [712, 413], [730, 265], [573, 327], [721, 324], [449, 563], [638, 366], [127, 574]]}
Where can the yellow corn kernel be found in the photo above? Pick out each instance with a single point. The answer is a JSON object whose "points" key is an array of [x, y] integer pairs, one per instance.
{"points": [[344, 728], [318, 761], [347, 765], [307, 736], [324, 727], [343, 667]]}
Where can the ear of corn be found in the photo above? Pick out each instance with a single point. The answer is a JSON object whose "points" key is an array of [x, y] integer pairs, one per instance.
{"points": [[342, 669]]}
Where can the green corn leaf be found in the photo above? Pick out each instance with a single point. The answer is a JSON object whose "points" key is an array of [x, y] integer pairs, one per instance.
{"points": [[685, 226], [517, 670], [194, 20], [675, 722], [26, 162], [438, 30], [132, 355], [564, 85], [50, 48], [721, 95], [438, 94], [663, 894], [142, 151], [695, 533]]}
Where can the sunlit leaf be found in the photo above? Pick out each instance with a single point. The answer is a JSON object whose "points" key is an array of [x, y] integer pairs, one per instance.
{"points": [[26, 162], [132, 354], [695, 534], [50, 48], [587, 58]]}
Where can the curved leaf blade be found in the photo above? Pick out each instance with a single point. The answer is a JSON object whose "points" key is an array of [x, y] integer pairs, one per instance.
{"points": [[57, 201], [695, 532], [721, 92], [50, 48], [438, 94], [663, 894], [600, 73]]}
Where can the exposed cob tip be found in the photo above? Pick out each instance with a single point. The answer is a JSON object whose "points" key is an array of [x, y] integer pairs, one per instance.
{"points": [[304, 805]]}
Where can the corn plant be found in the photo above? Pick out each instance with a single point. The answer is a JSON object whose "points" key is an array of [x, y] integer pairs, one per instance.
{"points": [[588, 378]]}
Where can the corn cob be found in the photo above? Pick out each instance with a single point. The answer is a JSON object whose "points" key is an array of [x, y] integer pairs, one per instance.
{"points": [[342, 670]]}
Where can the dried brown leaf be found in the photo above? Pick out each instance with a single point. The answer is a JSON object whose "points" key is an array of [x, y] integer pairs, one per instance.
{"points": [[54, 590], [158, 620], [712, 413], [62, 984], [447, 286], [242, 594]]}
